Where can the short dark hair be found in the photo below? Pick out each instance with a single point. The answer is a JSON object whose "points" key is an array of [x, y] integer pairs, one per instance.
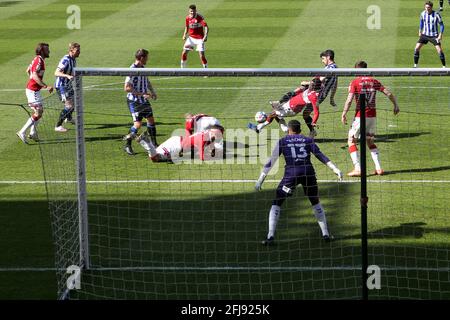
{"points": [[295, 126], [361, 64], [327, 53], [141, 53], [316, 84], [193, 7], [429, 3], [40, 47]]}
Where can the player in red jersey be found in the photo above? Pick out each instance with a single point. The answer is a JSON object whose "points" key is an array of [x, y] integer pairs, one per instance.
{"points": [[369, 86], [199, 122], [304, 98], [36, 73], [198, 34], [176, 145]]}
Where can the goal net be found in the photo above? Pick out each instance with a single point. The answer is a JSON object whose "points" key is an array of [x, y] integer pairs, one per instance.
{"points": [[128, 228]]}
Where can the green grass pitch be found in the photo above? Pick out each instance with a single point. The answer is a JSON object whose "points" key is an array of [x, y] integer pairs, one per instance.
{"points": [[219, 225]]}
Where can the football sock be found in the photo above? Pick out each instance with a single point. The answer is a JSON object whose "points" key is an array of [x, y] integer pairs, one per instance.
{"points": [[62, 116], [33, 127], [274, 215], [319, 213], [308, 121], [416, 57], [149, 147], [354, 156], [441, 3], [152, 132], [442, 57], [204, 62], [28, 124], [183, 60], [375, 156]]}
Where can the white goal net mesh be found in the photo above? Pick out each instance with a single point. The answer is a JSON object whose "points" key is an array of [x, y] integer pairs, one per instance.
{"points": [[193, 229]]}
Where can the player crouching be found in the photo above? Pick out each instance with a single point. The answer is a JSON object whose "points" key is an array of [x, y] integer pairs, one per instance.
{"points": [[176, 146], [304, 98]]}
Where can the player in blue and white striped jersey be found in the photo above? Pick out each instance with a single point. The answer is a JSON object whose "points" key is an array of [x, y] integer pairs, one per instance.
{"points": [[329, 83], [139, 90], [431, 30], [63, 84]]}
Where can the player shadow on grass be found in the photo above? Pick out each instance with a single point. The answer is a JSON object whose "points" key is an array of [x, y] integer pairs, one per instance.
{"points": [[417, 170], [405, 230]]}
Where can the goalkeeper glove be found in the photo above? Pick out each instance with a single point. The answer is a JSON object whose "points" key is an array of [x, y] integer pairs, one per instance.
{"points": [[335, 170], [260, 181]]}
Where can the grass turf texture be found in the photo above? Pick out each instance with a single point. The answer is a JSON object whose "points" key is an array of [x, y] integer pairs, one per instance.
{"points": [[195, 225]]}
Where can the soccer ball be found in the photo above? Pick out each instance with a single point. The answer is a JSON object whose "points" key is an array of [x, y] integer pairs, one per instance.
{"points": [[260, 116]]}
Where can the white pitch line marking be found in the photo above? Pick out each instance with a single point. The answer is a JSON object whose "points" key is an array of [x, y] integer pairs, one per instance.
{"points": [[227, 268], [209, 181]]}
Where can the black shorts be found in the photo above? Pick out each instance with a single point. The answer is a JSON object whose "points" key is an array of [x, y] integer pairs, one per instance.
{"points": [[289, 183], [424, 40], [140, 111]]}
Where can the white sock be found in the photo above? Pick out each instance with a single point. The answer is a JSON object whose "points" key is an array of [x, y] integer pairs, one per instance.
{"points": [[33, 128], [28, 124], [183, 63], [319, 212], [274, 215], [375, 158], [147, 145], [355, 160]]}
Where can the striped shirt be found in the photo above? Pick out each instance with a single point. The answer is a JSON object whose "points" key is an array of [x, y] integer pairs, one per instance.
{"points": [[140, 84], [66, 66], [329, 83], [431, 24]]}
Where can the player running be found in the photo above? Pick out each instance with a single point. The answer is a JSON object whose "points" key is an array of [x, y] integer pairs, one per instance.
{"points": [[304, 98], [296, 150]]}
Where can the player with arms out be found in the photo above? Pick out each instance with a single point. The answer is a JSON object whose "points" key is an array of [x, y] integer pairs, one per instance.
{"points": [[197, 29], [176, 145], [296, 150], [139, 90], [33, 91], [430, 30], [63, 85], [304, 98], [369, 86]]}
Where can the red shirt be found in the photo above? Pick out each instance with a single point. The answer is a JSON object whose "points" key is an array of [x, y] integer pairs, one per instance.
{"points": [[190, 123], [38, 66], [298, 102], [369, 86], [195, 26], [199, 141]]}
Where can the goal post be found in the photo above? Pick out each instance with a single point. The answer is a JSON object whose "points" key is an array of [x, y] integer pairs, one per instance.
{"points": [[192, 229]]}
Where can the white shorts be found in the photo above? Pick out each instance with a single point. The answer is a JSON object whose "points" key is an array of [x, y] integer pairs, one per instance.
{"points": [[284, 110], [205, 123], [192, 43], [371, 124], [34, 97], [170, 147]]}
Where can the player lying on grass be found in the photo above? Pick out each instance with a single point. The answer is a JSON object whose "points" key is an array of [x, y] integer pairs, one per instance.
{"points": [[296, 150], [176, 146], [199, 122], [304, 98]]}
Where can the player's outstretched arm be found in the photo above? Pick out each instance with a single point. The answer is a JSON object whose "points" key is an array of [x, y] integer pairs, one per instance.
{"points": [[391, 97], [336, 170], [268, 166]]}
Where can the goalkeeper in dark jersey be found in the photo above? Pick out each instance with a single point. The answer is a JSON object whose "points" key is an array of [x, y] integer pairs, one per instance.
{"points": [[296, 150]]}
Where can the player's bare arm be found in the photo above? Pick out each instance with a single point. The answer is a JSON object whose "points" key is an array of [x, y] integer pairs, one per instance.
{"points": [[59, 73], [206, 30], [347, 105], [391, 97], [38, 80], [185, 33]]}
